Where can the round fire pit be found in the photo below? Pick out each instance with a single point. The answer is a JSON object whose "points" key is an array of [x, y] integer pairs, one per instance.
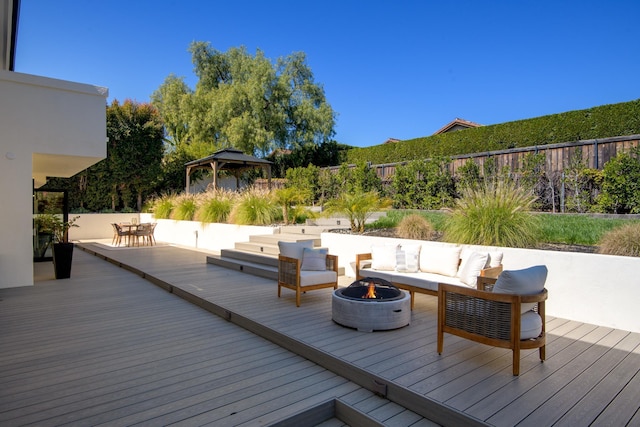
{"points": [[371, 304]]}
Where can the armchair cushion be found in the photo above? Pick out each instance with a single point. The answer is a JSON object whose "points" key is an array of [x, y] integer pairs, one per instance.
{"points": [[314, 259], [530, 325], [309, 278], [528, 281], [294, 249]]}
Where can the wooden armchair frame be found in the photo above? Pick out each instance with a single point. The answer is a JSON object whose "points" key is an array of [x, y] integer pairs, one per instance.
{"points": [[289, 276], [488, 318]]}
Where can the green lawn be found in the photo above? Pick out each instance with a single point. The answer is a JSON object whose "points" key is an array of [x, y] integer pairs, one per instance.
{"points": [[568, 229]]}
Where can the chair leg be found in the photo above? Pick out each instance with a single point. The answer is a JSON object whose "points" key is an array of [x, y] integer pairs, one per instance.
{"points": [[279, 290], [542, 352], [298, 297], [516, 361]]}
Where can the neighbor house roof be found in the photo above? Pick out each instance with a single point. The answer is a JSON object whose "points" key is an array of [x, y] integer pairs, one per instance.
{"points": [[457, 124]]}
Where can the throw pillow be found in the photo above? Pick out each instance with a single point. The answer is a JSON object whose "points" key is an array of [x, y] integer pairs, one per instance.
{"points": [[470, 267], [440, 260], [495, 259], [314, 259], [529, 281], [407, 258], [294, 249], [383, 257]]}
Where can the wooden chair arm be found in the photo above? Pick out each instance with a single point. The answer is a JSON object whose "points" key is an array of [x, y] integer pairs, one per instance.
{"points": [[484, 283], [493, 272], [332, 262], [359, 259]]}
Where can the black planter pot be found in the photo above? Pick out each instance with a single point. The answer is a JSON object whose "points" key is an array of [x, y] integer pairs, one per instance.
{"points": [[62, 256]]}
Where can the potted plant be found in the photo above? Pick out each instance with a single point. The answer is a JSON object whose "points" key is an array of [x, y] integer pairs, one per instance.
{"points": [[62, 248]]}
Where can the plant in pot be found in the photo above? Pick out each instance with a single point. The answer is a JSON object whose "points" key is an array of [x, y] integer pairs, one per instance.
{"points": [[62, 248]]}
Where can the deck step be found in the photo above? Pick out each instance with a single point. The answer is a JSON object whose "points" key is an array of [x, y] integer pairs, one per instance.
{"points": [[284, 237], [250, 263], [255, 269]]}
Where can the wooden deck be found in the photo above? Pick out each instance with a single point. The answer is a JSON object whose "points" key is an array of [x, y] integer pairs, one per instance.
{"points": [[104, 347]]}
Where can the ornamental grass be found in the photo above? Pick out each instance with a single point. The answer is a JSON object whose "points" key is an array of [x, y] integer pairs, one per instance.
{"points": [[494, 214]]}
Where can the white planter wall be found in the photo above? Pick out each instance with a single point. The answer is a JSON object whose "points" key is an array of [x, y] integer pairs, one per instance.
{"points": [[591, 288]]}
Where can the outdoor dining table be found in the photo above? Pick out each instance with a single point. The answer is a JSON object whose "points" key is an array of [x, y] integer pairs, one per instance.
{"points": [[131, 230]]}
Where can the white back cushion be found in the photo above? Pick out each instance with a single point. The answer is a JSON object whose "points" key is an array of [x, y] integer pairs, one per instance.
{"points": [[383, 257], [294, 249], [528, 281], [440, 260], [470, 266]]}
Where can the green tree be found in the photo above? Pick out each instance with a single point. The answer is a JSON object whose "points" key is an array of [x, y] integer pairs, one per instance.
{"points": [[621, 183], [423, 184], [134, 151], [468, 174], [245, 101]]}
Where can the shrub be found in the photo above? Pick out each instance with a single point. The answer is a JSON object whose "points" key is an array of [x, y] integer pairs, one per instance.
{"points": [[623, 241], [215, 206], [255, 207], [415, 226], [185, 208], [494, 214]]}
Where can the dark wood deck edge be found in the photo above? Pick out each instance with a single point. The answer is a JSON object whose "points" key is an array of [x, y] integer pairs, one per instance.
{"points": [[403, 396]]}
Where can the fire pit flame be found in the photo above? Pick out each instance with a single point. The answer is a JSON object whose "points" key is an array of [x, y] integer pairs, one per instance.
{"points": [[371, 292]]}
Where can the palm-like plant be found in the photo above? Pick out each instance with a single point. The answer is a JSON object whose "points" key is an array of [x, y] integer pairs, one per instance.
{"points": [[358, 207], [494, 214], [288, 197]]}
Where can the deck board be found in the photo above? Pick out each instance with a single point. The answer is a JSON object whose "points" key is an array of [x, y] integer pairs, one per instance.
{"points": [[591, 373], [468, 376], [106, 346]]}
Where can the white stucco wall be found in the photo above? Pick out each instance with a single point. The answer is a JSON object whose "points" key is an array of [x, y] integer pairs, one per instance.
{"points": [[48, 127], [591, 288]]}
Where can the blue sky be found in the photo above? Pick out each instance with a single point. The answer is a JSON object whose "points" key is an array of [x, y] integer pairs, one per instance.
{"points": [[400, 69]]}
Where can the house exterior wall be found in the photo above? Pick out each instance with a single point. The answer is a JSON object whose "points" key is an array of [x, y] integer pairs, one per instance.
{"points": [[48, 127]]}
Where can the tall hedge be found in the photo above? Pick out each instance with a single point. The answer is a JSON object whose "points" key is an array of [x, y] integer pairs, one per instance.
{"points": [[597, 122]]}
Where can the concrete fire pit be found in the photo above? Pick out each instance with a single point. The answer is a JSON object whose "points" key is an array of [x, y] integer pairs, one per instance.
{"points": [[371, 304]]}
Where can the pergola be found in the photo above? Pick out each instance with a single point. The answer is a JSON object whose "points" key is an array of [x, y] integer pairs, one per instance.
{"points": [[229, 159]]}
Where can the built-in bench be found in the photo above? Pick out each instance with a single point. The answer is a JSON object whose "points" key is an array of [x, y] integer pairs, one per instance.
{"points": [[419, 268]]}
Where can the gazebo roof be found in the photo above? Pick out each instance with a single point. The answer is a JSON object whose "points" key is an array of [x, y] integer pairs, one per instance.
{"points": [[229, 158]]}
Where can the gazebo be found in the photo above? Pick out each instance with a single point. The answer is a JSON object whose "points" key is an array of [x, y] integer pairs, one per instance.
{"points": [[229, 159]]}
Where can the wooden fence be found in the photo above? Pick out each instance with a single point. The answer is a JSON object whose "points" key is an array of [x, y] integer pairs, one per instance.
{"points": [[595, 153]]}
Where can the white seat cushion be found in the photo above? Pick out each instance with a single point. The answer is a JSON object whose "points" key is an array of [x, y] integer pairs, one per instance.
{"points": [[369, 272], [427, 281], [308, 278], [530, 325]]}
